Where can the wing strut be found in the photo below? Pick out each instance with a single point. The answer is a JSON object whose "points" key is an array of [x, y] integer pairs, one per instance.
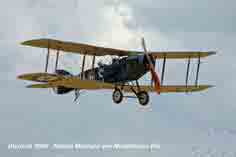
{"points": [[57, 59], [83, 64], [163, 70], [46, 66], [93, 64], [198, 68], [187, 74]]}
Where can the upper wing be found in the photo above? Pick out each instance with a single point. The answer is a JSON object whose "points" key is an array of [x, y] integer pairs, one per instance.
{"points": [[78, 47], [181, 54], [101, 51]]}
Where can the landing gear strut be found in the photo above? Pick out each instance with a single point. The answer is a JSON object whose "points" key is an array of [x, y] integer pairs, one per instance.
{"points": [[141, 95], [117, 96]]}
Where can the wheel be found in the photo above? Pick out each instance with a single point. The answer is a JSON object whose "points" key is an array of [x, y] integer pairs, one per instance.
{"points": [[117, 96], [143, 98]]}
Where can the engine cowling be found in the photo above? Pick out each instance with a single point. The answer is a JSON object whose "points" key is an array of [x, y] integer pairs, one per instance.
{"points": [[145, 60]]}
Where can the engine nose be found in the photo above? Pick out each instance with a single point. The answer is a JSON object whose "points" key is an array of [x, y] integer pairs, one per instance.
{"points": [[145, 60]]}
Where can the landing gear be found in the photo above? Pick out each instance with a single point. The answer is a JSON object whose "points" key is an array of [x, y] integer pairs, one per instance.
{"points": [[143, 98], [117, 96], [141, 95]]}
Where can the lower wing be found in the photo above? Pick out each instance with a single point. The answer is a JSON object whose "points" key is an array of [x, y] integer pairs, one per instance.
{"points": [[76, 83], [40, 77], [170, 88]]}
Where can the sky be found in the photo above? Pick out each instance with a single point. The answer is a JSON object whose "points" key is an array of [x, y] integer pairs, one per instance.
{"points": [[193, 124]]}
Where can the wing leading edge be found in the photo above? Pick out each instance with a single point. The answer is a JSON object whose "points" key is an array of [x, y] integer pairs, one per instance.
{"points": [[171, 88], [80, 48], [54, 80], [182, 54]]}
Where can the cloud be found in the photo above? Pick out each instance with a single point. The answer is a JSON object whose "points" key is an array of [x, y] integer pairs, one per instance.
{"points": [[184, 16]]}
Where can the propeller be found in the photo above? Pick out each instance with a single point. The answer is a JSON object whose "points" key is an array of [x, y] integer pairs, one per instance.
{"points": [[154, 74]]}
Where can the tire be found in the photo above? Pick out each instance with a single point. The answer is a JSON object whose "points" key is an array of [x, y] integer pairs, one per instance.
{"points": [[143, 98], [117, 96]]}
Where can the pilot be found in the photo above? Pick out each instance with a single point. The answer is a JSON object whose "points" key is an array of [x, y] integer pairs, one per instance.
{"points": [[100, 64], [115, 61]]}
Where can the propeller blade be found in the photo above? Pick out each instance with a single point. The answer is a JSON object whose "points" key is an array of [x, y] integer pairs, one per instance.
{"points": [[151, 82], [154, 74]]}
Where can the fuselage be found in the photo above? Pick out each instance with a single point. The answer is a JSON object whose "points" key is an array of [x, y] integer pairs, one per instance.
{"points": [[120, 70]]}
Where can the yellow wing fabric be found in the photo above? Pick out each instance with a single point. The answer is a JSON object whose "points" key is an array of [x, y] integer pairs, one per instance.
{"points": [[40, 77], [77, 47], [78, 84], [80, 48], [46, 85], [181, 54], [54, 80], [94, 85], [170, 88], [75, 82]]}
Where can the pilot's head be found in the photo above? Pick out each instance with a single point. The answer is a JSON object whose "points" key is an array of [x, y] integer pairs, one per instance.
{"points": [[115, 60], [100, 64]]}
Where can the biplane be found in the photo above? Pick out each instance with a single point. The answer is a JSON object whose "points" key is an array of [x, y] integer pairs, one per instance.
{"points": [[122, 75]]}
